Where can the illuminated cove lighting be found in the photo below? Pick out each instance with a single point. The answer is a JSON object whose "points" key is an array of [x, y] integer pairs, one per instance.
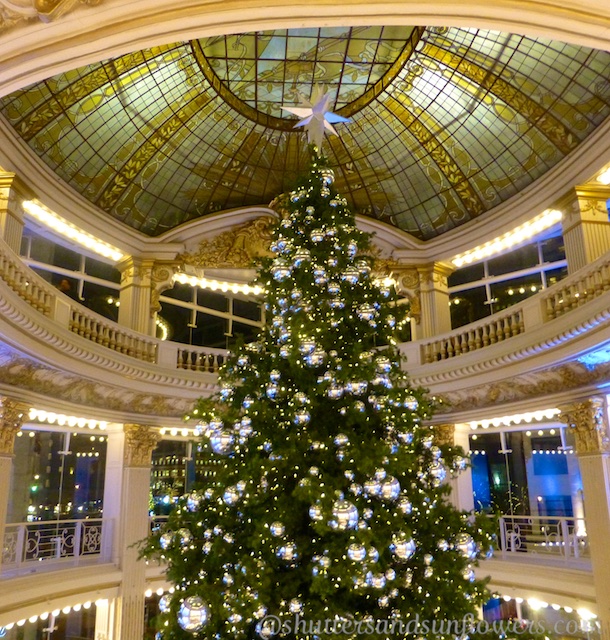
{"points": [[246, 289], [515, 237], [218, 285], [604, 177], [50, 417], [517, 418], [57, 224]]}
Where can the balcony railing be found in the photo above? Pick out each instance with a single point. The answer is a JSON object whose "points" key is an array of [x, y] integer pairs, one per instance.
{"points": [[475, 336], [543, 538], [32, 546], [576, 290], [46, 299], [567, 295]]}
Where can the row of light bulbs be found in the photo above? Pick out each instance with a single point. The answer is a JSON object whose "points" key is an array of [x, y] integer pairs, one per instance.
{"points": [[516, 236], [517, 418], [533, 603], [218, 285], [537, 605], [50, 417], [55, 613], [68, 230], [519, 234]]}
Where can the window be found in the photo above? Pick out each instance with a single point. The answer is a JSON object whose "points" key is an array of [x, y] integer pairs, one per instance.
{"points": [[493, 285]]}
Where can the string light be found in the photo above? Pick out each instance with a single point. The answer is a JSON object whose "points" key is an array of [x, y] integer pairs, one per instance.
{"points": [[218, 285], [66, 610], [53, 221], [50, 417], [517, 236], [515, 419]]}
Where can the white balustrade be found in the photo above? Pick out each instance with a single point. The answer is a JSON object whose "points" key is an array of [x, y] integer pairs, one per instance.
{"points": [[97, 329], [578, 289], [478, 335], [27, 284], [567, 295], [32, 546]]}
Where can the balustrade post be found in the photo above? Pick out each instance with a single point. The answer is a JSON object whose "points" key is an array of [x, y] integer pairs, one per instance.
{"points": [[588, 422], [12, 415], [502, 524], [78, 536], [565, 538], [21, 542]]}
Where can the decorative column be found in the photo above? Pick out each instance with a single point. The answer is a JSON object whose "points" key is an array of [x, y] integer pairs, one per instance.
{"points": [[142, 282], [12, 415], [11, 213], [586, 229], [132, 527], [588, 421], [461, 485], [135, 296], [434, 298]]}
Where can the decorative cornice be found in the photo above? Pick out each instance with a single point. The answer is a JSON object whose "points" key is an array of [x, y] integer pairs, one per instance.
{"points": [[235, 248], [19, 373], [140, 442], [89, 353], [19, 12], [588, 422], [12, 414], [444, 434], [553, 380]]}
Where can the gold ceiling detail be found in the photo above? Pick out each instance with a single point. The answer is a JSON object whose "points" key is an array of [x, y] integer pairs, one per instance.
{"points": [[430, 141], [18, 13], [300, 68], [237, 247], [518, 100], [88, 85], [172, 122], [445, 123]]}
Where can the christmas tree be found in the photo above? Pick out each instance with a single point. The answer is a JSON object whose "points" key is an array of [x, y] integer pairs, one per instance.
{"points": [[330, 512]]}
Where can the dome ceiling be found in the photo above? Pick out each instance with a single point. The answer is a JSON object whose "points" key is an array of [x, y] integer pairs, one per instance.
{"points": [[446, 123]]}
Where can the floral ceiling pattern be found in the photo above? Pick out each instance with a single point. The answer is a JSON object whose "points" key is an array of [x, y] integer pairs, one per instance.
{"points": [[446, 123]]}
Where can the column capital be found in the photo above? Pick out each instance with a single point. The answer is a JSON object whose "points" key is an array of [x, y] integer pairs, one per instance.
{"points": [[140, 441], [12, 414], [162, 279], [435, 273], [588, 421], [444, 434]]}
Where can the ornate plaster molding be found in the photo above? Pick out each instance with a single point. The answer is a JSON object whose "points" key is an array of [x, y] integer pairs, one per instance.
{"points": [[161, 280], [588, 422], [20, 373], [140, 442], [444, 434], [15, 13], [235, 248], [407, 278], [543, 383], [86, 352], [12, 414]]}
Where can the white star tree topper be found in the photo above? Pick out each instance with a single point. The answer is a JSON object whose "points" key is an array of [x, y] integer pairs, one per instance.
{"points": [[315, 116]]}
